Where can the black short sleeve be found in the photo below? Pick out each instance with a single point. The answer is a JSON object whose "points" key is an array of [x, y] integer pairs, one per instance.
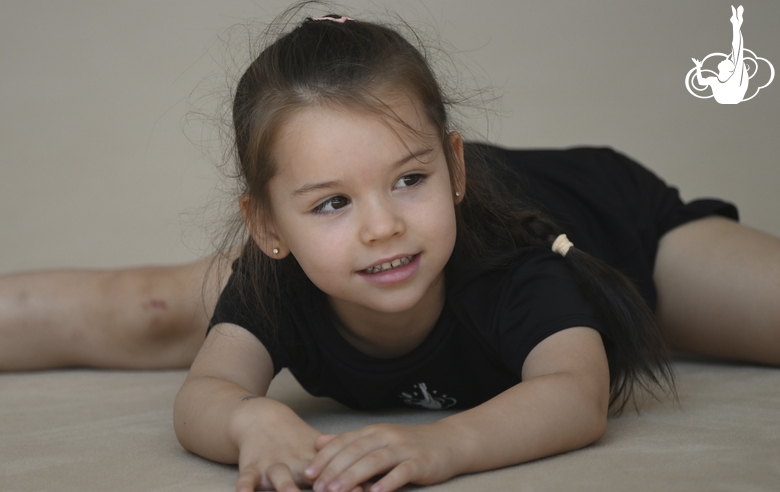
{"points": [[540, 299], [237, 306], [516, 308]]}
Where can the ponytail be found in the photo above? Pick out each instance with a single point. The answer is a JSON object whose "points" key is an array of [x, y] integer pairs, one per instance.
{"points": [[492, 220], [636, 350]]}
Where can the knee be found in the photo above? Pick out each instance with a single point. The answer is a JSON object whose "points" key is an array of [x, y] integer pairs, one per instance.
{"points": [[154, 315]]}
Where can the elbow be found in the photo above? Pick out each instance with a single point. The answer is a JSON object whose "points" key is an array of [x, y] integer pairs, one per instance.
{"points": [[587, 412], [595, 411], [592, 426], [598, 427], [180, 417], [179, 421], [599, 414]]}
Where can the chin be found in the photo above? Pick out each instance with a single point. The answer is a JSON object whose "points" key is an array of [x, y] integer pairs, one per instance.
{"points": [[394, 302], [395, 306]]}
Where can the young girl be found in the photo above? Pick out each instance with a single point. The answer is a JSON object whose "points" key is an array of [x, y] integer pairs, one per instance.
{"points": [[390, 264]]}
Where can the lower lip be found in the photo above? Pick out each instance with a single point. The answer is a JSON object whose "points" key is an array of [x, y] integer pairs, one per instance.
{"points": [[395, 275]]}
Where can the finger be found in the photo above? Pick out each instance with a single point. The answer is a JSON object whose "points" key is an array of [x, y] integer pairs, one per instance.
{"points": [[367, 466], [281, 478], [248, 479], [324, 456], [399, 476], [323, 440]]}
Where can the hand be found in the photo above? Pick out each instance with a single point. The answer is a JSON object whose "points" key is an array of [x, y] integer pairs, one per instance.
{"points": [[423, 454], [696, 62], [275, 445]]}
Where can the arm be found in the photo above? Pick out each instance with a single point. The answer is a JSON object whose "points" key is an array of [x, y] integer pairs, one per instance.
{"points": [[561, 405], [701, 80], [221, 413]]}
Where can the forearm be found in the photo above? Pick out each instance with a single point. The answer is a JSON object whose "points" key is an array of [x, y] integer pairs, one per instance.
{"points": [[701, 80], [212, 416], [540, 417], [561, 405]]}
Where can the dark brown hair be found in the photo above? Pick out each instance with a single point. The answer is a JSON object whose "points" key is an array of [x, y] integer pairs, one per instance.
{"points": [[351, 64]]}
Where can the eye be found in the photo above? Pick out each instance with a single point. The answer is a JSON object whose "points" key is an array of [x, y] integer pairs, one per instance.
{"points": [[410, 180], [332, 204]]}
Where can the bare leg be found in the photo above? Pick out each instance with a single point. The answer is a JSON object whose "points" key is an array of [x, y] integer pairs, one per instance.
{"points": [[137, 318], [719, 290], [736, 39]]}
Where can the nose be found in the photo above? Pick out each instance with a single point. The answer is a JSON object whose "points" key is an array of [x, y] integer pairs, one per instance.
{"points": [[380, 220]]}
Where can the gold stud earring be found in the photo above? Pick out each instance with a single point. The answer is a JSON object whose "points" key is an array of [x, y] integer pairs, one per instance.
{"points": [[276, 251]]}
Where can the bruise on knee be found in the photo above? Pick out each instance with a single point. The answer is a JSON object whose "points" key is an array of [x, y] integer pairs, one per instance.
{"points": [[149, 314]]}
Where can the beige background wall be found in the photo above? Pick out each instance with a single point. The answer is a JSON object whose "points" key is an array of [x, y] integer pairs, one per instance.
{"points": [[101, 166]]}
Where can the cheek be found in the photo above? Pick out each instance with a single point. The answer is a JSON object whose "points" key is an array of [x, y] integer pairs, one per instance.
{"points": [[436, 220], [320, 249]]}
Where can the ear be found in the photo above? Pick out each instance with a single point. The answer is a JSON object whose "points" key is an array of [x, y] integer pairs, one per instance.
{"points": [[262, 228], [458, 166]]}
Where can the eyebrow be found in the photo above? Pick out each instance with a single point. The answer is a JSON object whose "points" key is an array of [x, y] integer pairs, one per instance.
{"points": [[308, 188]]}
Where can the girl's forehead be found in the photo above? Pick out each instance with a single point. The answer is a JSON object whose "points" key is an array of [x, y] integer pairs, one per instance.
{"points": [[326, 134]]}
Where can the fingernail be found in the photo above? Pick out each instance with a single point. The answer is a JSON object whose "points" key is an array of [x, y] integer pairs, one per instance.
{"points": [[336, 487], [318, 486], [309, 471]]}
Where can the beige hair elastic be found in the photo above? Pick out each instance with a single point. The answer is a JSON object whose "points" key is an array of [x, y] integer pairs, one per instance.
{"points": [[561, 245]]}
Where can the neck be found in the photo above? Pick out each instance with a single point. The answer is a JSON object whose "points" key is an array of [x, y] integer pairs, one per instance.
{"points": [[387, 335]]}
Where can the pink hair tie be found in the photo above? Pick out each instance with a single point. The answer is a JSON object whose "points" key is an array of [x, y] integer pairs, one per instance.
{"points": [[332, 18]]}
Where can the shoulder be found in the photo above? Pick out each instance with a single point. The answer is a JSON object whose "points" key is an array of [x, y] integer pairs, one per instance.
{"points": [[517, 306], [275, 319], [528, 274]]}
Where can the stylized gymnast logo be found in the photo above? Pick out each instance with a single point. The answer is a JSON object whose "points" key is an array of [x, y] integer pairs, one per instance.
{"points": [[735, 70], [427, 399]]}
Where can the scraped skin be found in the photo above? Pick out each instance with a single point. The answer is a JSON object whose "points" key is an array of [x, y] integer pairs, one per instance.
{"points": [[134, 318]]}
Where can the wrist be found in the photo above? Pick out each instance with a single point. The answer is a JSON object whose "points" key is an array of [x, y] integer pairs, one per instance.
{"points": [[266, 415], [460, 446], [250, 414]]}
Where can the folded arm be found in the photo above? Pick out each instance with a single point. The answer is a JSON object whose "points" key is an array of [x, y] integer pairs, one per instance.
{"points": [[221, 413], [561, 405]]}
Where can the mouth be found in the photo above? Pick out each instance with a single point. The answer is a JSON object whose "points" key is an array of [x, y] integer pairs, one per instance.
{"points": [[390, 265]]}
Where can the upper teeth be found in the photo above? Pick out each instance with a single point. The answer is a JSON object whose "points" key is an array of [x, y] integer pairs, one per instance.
{"points": [[390, 265]]}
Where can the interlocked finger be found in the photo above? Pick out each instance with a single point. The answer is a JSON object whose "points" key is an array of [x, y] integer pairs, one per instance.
{"points": [[249, 479], [399, 476], [345, 456], [281, 478], [359, 469]]}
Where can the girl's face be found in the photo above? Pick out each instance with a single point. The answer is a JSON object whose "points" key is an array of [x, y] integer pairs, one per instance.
{"points": [[365, 205]]}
